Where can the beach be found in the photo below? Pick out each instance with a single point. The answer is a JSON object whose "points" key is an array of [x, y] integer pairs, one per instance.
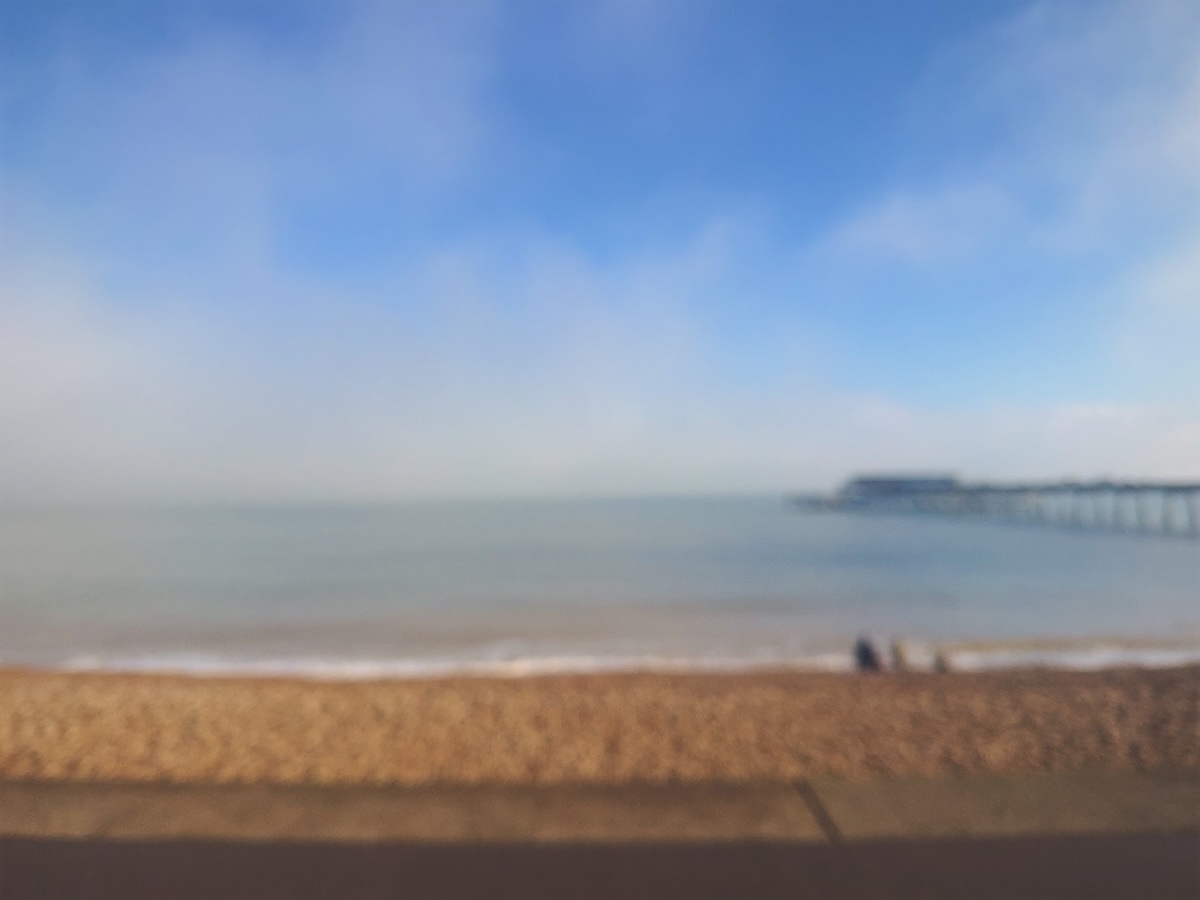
{"points": [[593, 729]]}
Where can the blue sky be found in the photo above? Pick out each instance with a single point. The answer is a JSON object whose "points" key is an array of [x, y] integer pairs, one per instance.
{"points": [[368, 251]]}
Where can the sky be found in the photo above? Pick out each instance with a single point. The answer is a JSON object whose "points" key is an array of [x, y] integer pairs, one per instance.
{"points": [[339, 251]]}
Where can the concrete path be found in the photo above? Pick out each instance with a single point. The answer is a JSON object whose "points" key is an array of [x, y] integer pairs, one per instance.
{"points": [[1087, 867], [992, 806], [1064, 836], [817, 811]]}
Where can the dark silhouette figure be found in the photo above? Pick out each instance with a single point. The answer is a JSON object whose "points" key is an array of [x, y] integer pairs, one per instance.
{"points": [[866, 657]]}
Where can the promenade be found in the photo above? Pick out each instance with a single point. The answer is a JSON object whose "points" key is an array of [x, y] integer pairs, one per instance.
{"points": [[1046, 835]]}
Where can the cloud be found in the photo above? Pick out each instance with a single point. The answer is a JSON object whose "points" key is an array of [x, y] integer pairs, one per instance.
{"points": [[1078, 117], [205, 148], [945, 225], [1057, 176], [505, 369], [1170, 282], [158, 342], [520, 377]]}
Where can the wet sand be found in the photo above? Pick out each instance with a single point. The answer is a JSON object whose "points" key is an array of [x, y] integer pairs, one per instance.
{"points": [[598, 729]]}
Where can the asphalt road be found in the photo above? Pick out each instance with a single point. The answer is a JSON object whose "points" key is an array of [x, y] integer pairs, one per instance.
{"points": [[1142, 866]]}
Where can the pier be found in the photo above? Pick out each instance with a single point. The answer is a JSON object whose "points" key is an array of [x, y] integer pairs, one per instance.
{"points": [[1144, 507]]}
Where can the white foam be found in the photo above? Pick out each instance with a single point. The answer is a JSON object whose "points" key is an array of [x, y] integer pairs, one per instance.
{"points": [[917, 656], [364, 670], [1087, 658]]}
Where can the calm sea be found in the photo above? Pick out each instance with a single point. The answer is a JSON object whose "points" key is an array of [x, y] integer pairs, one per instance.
{"points": [[528, 586]]}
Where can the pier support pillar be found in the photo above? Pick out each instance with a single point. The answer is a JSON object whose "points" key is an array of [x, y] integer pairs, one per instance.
{"points": [[1129, 511], [1142, 504], [1111, 519]]}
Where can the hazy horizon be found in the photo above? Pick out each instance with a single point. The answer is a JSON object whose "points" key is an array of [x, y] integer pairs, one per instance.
{"points": [[374, 252]]}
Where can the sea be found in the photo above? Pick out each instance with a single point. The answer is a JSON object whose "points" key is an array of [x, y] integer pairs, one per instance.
{"points": [[524, 587]]}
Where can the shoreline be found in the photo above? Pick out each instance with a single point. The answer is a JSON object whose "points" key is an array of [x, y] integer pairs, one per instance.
{"points": [[613, 728], [1096, 653]]}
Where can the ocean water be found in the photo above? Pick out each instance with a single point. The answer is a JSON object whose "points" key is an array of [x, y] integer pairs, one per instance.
{"points": [[517, 587]]}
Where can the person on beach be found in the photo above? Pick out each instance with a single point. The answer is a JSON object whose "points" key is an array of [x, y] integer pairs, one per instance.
{"points": [[866, 657]]}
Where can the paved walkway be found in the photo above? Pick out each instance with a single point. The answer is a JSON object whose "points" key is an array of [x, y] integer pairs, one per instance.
{"points": [[821, 810], [1064, 836], [1090, 867]]}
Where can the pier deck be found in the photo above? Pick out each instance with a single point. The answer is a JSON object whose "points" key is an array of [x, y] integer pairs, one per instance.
{"points": [[1159, 508]]}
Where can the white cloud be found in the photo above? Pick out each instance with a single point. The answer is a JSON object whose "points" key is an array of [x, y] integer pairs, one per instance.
{"points": [[517, 363], [521, 377], [505, 369], [1070, 120], [200, 150], [1170, 283], [946, 225], [1077, 128]]}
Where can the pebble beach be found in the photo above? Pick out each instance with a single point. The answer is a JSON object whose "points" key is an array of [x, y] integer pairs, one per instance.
{"points": [[599, 729]]}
